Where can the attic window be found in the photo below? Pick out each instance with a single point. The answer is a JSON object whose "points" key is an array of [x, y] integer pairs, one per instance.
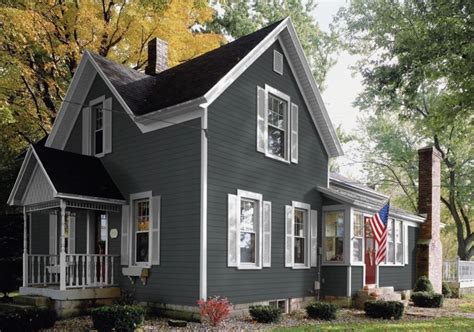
{"points": [[277, 62]]}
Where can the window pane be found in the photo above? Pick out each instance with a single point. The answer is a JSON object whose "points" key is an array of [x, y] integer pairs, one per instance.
{"points": [[299, 250], [358, 225], [142, 216], [247, 247], [142, 247], [299, 223], [247, 216], [334, 225], [398, 233], [399, 253], [276, 139], [99, 141], [357, 249]]}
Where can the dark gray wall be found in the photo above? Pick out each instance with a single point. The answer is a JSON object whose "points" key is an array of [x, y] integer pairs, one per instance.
{"points": [[166, 161], [357, 278], [39, 236], [235, 164], [334, 281], [404, 277]]}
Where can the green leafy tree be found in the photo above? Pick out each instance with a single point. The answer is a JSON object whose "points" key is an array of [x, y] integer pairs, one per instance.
{"points": [[243, 17], [417, 64]]}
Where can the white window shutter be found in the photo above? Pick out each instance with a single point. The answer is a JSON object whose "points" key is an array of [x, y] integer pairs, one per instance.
{"points": [[53, 233], [405, 244], [294, 133], [72, 235], [107, 125], [232, 231], [288, 236], [155, 232], [267, 234], [314, 238], [125, 240], [261, 117], [86, 131]]}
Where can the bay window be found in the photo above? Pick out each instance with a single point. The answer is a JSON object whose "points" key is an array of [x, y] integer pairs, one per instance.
{"points": [[357, 237], [334, 236]]}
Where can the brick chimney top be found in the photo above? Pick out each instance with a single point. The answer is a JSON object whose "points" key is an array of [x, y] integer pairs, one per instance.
{"points": [[429, 250], [157, 56]]}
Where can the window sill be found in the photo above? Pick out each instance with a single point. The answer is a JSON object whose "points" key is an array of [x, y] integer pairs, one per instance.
{"points": [[300, 267], [134, 271], [248, 267], [334, 264], [392, 265], [270, 156]]}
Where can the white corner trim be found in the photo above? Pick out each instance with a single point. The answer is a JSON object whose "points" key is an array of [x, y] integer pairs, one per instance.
{"points": [[349, 280], [203, 212]]}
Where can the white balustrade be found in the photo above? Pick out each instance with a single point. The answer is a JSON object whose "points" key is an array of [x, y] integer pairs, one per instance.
{"points": [[458, 271]]}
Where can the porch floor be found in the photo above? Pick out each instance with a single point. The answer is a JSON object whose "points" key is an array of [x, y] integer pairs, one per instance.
{"points": [[53, 292]]}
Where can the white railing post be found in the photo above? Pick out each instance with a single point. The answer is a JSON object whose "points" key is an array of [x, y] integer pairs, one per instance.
{"points": [[25, 248], [62, 254], [458, 269]]}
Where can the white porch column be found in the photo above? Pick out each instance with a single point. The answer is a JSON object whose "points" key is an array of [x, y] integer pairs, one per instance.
{"points": [[62, 253], [25, 248]]}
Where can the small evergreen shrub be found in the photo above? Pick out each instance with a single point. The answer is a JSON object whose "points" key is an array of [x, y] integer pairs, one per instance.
{"points": [[265, 313], [384, 309], [427, 299], [446, 290], [322, 310], [423, 284], [118, 317], [26, 319], [215, 309]]}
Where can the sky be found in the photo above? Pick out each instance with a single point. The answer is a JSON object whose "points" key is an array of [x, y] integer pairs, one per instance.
{"points": [[342, 86]]}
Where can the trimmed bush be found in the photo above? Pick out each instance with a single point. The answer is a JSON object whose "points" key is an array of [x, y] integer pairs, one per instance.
{"points": [[423, 284], [265, 313], [384, 309], [215, 309], [118, 317], [446, 290], [427, 299], [322, 310], [26, 319]]}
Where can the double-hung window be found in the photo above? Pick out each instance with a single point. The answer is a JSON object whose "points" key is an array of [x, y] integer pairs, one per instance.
{"points": [[277, 125], [249, 231], [98, 138], [141, 228], [395, 253], [301, 236], [357, 237], [97, 127], [334, 236]]}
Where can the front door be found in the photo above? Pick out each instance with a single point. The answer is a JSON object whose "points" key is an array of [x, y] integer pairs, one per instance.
{"points": [[370, 267]]}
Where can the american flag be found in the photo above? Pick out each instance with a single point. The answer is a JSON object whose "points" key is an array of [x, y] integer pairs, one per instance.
{"points": [[379, 223]]}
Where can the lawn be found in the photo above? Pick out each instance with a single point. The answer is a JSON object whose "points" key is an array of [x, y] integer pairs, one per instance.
{"points": [[438, 324]]}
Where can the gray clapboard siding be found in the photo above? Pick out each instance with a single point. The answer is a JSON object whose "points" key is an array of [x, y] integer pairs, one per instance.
{"points": [[235, 164], [166, 161], [403, 277], [334, 281], [357, 278]]}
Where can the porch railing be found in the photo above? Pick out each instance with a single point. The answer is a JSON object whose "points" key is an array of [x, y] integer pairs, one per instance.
{"points": [[458, 271], [81, 270]]}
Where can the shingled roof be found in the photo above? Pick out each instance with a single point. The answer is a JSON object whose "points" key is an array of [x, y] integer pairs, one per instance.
{"points": [[190, 80]]}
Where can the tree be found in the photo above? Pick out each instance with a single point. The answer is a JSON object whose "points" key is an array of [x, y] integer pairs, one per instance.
{"points": [[42, 42], [417, 64], [243, 17]]}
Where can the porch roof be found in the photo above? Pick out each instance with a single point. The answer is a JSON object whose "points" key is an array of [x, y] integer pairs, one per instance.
{"points": [[344, 190], [65, 175]]}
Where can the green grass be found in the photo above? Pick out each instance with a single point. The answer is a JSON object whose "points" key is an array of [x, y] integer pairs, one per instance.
{"points": [[439, 324], [467, 307]]}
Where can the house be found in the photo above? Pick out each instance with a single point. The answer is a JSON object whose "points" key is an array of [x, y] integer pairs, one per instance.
{"points": [[208, 178]]}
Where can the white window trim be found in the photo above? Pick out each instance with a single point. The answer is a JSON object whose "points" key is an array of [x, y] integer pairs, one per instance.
{"points": [[402, 229], [347, 229], [92, 103], [131, 232], [285, 97], [242, 194], [307, 208], [277, 55]]}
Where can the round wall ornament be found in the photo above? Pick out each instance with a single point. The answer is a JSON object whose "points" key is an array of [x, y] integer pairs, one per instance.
{"points": [[113, 233]]}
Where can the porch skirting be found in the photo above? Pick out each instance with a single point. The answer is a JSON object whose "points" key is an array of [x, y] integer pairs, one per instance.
{"points": [[72, 294]]}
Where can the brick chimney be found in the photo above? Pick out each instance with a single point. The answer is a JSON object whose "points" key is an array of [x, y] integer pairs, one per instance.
{"points": [[157, 56], [428, 249]]}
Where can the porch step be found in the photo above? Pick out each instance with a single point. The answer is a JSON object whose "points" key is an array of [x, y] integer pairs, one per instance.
{"points": [[33, 300]]}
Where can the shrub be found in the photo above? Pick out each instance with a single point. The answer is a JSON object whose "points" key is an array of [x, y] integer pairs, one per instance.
{"points": [[423, 284], [215, 309], [384, 309], [322, 310], [265, 313], [446, 290], [26, 318], [118, 317], [427, 299]]}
